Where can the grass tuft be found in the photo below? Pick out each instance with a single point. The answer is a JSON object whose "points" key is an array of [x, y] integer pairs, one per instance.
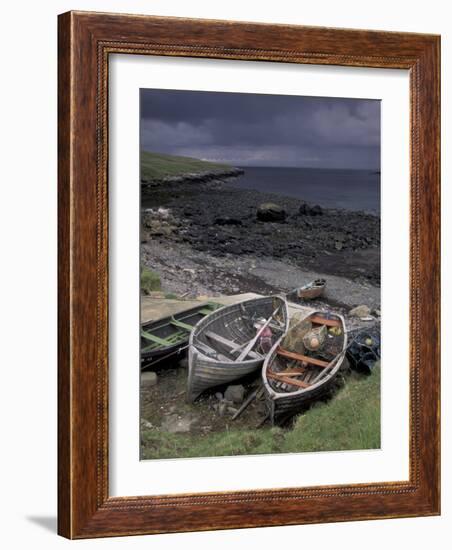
{"points": [[149, 281]]}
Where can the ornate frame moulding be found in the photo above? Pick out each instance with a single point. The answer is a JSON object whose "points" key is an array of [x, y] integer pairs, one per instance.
{"points": [[85, 42]]}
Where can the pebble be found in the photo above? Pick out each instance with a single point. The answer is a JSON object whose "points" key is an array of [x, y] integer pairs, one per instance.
{"points": [[148, 378], [360, 311], [146, 424], [174, 424], [235, 393]]}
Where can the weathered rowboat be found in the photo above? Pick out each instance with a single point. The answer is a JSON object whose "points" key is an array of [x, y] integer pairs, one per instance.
{"points": [[302, 366], [166, 337], [311, 290], [231, 342]]}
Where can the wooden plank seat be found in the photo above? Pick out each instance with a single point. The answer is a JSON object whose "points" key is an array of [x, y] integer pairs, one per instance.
{"points": [[292, 372], [205, 311], [279, 376], [322, 321], [232, 346], [180, 324], [299, 357], [210, 352], [154, 339]]}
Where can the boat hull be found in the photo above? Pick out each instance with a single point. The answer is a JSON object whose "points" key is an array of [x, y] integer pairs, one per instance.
{"points": [[171, 335], [283, 405], [233, 323], [311, 293], [308, 292], [206, 373]]}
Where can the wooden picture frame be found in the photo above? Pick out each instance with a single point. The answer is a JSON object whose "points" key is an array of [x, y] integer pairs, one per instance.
{"points": [[86, 40]]}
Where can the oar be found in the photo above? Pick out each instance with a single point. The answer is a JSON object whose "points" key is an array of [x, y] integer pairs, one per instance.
{"points": [[333, 363], [249, 399], [263, 421], [237, 348], [250, 346]]}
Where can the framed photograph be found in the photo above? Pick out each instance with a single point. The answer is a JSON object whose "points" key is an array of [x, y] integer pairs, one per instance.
{"points": [[248, 275]]}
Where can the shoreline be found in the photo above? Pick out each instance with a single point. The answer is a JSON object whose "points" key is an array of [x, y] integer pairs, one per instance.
{"points": [[194, 177], [224, 180], [218, 220], [186, 272]]}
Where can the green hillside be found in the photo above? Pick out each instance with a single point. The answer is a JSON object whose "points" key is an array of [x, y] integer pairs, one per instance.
{"points": [[158, 166]]}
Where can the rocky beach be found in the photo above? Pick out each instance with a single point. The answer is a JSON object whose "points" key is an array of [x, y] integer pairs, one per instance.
{"points": [[208, 237]]}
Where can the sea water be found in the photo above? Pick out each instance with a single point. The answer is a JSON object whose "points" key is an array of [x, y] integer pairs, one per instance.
{"points": [[332, 188]]}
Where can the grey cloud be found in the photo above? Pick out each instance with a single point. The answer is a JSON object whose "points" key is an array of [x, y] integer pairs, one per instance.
{"points": [[247, 129]]}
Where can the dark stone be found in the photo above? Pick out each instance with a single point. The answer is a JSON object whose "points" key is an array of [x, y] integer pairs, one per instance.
{"points": [[234, 248], [270, 212], [227, 221], [303, 210], [235, 394], [308, 210], [316, 210]]}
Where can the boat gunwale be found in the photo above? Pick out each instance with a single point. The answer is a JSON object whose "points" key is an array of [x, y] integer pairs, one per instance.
{"points": [[219, 310], [164, 321], [274, 395]]}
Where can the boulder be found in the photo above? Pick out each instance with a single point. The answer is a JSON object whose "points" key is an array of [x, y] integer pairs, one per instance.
{"points": [[303, 210], [235, 394], [270, 212], [308, 210], [316, 210], [360, 311], [148, 379]]}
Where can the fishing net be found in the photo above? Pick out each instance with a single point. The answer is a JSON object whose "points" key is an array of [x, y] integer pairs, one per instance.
{"points": [[314, 339], [364, 350], [299, 327]]}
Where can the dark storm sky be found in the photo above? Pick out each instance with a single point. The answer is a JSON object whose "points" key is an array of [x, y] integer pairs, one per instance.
{"points": [[262, 130]]}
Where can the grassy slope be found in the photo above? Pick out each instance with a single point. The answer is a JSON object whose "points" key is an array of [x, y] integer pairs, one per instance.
{"points": [[351, 420], [156, 165]]}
